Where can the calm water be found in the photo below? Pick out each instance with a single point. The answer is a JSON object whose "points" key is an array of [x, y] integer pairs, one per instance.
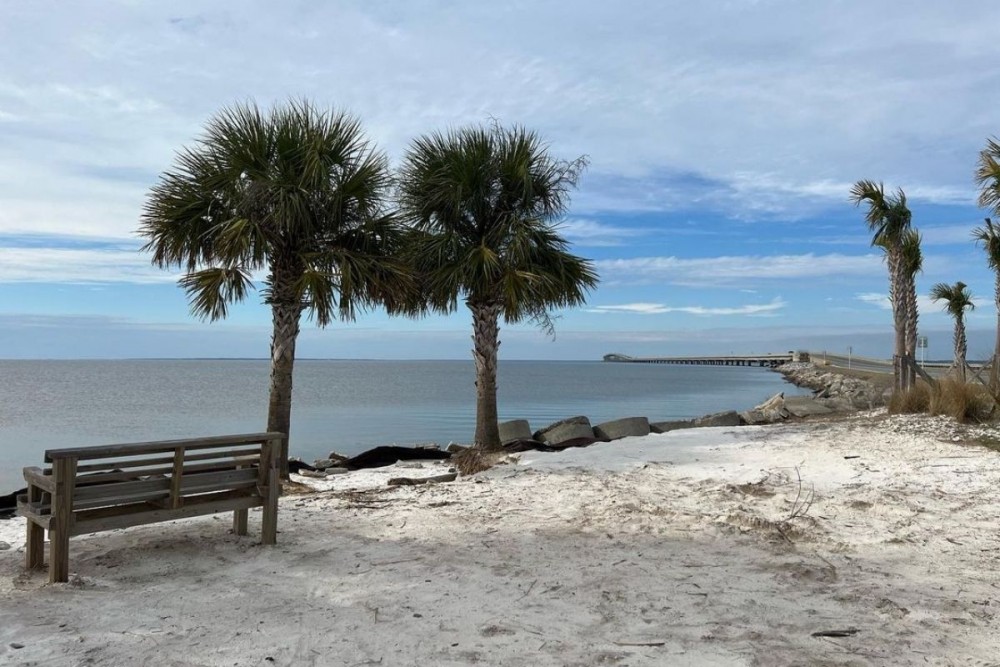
{"points": [[347, 406]]}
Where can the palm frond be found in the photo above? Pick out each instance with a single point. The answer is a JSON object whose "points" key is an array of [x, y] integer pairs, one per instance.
{"points": [[211, 290]]}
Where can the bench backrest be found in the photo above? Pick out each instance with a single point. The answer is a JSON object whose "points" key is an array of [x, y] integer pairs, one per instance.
{"points": [[165, 473]]}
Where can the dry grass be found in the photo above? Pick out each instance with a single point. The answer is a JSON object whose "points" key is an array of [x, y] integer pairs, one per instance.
{"points": [[473, 460], [914, 401], [962, 401]]}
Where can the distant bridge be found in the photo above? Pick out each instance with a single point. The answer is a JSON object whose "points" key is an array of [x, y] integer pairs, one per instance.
{"points": [[762, 360]]}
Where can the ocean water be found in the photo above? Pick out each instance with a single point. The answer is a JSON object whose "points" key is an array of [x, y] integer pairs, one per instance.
{"points": [[341, 405]]}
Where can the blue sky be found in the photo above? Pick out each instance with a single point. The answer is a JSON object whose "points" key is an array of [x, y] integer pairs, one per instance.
{"points": [[723, 139]]}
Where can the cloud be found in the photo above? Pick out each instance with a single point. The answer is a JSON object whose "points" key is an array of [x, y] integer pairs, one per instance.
{"points": [[774, 121], [590, 233], [735, 269], [925, 305], [79, 265], [659, 308]]}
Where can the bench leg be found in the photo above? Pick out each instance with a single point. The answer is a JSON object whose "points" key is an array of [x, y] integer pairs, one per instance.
{"points": [[64, 472], [269, 521], [34, 548], [240, 522]]}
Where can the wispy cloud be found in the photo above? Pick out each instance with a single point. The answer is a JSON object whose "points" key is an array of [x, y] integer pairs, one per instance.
{"points": [[659, 308], [734, 269], [925, 305], [79, 265], [591, 233]]}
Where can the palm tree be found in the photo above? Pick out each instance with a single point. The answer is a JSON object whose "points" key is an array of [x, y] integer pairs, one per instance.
{"points": [[482, 203], [913, 263], [989, 236], [888, 217], [957, 300], [294, 192], [988, 176]]}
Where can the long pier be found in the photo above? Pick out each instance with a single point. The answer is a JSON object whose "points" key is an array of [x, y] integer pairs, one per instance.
{"points": [[762, 360]]}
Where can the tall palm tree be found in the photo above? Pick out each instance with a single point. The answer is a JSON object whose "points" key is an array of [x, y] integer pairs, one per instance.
{"points": [[957, 300], [913, 263], [889, 217], [989, 236], [296, 193], [482, 202]]}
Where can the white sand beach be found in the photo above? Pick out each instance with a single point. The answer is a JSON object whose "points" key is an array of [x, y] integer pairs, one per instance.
{"points": [[674, 549]]}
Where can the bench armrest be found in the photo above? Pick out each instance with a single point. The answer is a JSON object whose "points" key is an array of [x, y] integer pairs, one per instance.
{"points": [[35, 477]]}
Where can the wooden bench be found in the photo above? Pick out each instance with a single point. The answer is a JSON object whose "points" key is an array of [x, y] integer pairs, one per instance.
{"points": [[93, 489]]}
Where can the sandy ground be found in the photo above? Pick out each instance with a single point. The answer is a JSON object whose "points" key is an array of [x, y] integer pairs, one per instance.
{"points": [[689, 548]]}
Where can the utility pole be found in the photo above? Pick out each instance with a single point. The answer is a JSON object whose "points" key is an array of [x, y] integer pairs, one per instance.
{"points": [[850, 351]]}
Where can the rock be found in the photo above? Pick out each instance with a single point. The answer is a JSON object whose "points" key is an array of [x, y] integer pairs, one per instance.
{"points": [[567, 429], [336, 471], [387, 455], [454, 447], [430, 445], [409, 464], [582, 441], [526, 445], [318, 474], [770, 411], [517, 429], [337, 457], [804, 406], [666, 427], [322, 464], [728, 418], [298, 465], [4, 546], [622, 428]]}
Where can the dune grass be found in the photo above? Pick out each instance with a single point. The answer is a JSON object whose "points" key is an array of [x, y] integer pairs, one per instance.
{"points": [[963, 401]]}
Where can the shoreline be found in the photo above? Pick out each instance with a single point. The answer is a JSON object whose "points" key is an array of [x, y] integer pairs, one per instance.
{"points": [[627, 552]]}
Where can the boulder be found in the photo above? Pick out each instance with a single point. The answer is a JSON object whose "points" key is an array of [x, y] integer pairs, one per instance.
{"points": [[666, 427], [454, 448], [583, 441], [770, 411], [728, 418], [387, 455], [337, 457], [318, 474], [622, 428], [567, 429], [516, 429], [323, 464], [336, 471], [804, 406]]}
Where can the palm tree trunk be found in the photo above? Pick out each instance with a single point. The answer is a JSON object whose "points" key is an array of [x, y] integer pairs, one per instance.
{"points": [[911, 330], [486, 340], [995, 367], [897, 296], [961, 346], [285, 313]]}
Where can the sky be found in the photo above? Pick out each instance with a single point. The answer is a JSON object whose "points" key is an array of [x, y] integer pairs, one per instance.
{"points": [[723, 138]]}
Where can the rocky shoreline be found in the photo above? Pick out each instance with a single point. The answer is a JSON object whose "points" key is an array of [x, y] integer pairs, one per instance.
{"points": [[833, 394]]}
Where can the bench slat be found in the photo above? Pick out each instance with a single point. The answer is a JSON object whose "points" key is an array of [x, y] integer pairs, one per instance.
{"points": [[168, 470], [166, 460], [111, 518], [158, 447]]}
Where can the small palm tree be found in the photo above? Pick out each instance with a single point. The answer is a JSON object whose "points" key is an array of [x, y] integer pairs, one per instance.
{"points": [[482, 203], [296, 193], [889, 218], [957, 300], [989, 236]]}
